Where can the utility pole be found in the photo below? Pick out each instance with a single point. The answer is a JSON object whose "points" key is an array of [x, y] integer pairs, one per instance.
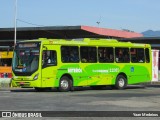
{"points": [[15, 23]]}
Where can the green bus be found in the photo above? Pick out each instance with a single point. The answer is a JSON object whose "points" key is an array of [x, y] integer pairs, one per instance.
{"points": [[65, 64]]}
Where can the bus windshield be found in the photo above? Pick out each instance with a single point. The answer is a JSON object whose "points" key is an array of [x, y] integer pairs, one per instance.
{"points": [[25, 61]]}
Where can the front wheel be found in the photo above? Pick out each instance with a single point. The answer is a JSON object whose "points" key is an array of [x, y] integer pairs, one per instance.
{"points": [[121, 82], [64, 84]]}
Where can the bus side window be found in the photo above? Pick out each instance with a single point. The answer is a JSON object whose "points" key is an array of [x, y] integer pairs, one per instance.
{"points": [[140, 55], [147, 55], [84, 54], [122, 55], [126, 55], [100, 54], [49, 58], [137, 55], [92, 53], [105, 55], [70, 54], [118, 54], [74, 55], [88, 54], [133, 55]]}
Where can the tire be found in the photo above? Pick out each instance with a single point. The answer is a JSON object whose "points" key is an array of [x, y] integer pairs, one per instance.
{"points": [[121, 82], [65, 84]]}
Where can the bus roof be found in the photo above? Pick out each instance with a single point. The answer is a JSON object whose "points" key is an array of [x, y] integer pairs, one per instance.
{"points": [[88, 41]]}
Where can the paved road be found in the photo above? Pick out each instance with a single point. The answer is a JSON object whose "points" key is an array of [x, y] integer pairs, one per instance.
{"points": [[134, 98]]}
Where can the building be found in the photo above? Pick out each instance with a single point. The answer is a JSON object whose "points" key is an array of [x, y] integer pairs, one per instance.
{"points": [[64, 32]]}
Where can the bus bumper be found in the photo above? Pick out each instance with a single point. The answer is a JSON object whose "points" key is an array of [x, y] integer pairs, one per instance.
{"points": [[24, 84]]}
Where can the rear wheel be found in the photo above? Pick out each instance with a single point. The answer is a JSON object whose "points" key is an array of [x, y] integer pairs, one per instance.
{"points": [[65, 84], [121, 82]]}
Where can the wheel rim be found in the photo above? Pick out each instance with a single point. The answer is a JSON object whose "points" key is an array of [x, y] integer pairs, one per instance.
{"points": [[121, 82], [64, 84]]}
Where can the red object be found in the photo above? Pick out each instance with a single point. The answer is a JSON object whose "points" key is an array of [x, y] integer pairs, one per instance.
{"points": [[5, 75], [111, 32]]}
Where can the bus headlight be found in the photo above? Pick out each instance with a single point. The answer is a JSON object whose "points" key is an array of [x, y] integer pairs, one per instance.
{"points": [[36, 76]]}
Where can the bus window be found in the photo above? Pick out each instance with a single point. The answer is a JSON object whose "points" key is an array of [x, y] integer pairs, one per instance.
{"points": [[122, 55], [70, 54], [137, 55], [133, 55], [49, 58], [147, 55], [105, 54], [140, 55], [88, 54]]}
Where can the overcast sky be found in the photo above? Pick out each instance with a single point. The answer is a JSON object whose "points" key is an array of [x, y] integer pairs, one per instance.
{"points": [[135, 15]]}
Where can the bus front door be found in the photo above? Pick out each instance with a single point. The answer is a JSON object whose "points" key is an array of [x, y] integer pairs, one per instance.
{"points": [[49, 66]]}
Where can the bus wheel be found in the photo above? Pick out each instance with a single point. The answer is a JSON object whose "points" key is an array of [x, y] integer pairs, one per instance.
{"points": [[65, 84], [121, 82]]}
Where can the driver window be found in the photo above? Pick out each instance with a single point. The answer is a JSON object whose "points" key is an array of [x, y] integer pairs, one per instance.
{"points": [[49, 58]]}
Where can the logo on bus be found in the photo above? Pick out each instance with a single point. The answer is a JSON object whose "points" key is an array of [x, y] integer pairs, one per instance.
{"points": [[74, 70], [110, 70], [132, 69]]}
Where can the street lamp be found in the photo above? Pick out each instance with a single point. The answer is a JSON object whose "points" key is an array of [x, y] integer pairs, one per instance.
{"points": [[98, 22]]}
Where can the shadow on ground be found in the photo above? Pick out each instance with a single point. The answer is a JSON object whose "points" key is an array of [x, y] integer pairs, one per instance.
{"points": [[76, 88]]}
